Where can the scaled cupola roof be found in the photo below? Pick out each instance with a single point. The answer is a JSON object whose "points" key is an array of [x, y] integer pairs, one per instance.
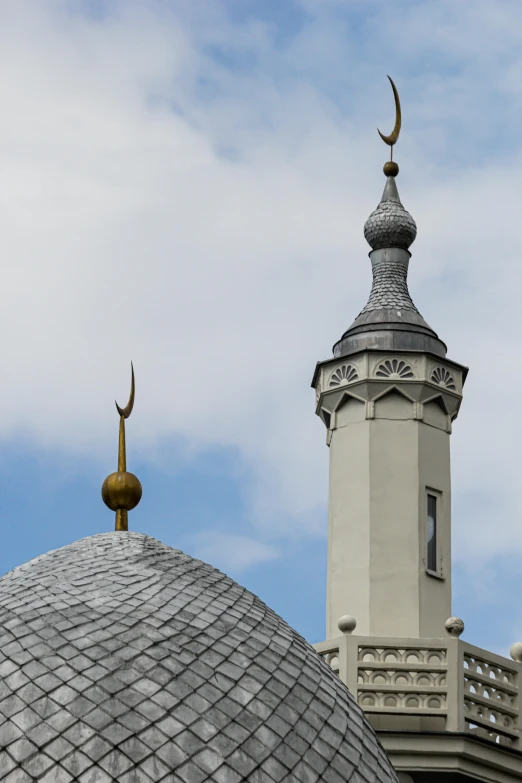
{"points": [[390, 320], [124, 660], [390, 225]]}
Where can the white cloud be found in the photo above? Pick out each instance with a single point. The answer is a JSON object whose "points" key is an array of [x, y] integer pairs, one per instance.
{"points": [[230, 552], [206, 222]]}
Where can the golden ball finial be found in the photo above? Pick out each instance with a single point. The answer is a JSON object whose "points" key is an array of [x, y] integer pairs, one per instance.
{"points": [[390, 168], [121, 490]]}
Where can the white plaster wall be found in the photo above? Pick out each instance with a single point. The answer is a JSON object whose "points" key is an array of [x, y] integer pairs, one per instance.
{"points": [[394, 513], [435, 472], [379, 471], [348, 587]]}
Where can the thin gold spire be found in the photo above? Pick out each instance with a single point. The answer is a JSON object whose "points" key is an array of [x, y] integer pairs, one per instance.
{"points": [[391, 169], [121, 491]]}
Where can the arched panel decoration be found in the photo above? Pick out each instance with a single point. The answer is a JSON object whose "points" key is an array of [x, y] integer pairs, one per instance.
{"points": [[343, 375], [394, 368], [442, 377]]}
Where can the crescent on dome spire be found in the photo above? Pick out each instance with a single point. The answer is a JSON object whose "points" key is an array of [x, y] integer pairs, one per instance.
{"points": [[126, 412], [391, 169], [121, 491], [394, 135]]}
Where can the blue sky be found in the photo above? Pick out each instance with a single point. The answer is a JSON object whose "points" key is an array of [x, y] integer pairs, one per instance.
{"points": [[185, 185]]}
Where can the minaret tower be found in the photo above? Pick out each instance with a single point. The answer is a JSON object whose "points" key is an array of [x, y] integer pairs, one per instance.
{"points": [[445, 710], [388, 399]]}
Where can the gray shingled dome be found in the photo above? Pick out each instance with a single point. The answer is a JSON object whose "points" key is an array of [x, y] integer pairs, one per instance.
{"points": [[122, 659], [390, 225]]}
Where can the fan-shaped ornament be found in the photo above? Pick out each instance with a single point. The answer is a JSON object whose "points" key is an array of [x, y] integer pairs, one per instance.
{"points": [[343, 375], [394, 368], [442, 377]]}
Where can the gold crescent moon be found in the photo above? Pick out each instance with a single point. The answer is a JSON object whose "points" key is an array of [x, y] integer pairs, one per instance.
{"points": [[127, 410], [394, 135]]}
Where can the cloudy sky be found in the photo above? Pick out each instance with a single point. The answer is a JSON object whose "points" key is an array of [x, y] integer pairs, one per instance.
{"points": [[184, 184]]}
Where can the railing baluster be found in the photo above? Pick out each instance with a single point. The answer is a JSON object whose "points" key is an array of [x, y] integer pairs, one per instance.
{"points": [[351, 647], [455, 718]]}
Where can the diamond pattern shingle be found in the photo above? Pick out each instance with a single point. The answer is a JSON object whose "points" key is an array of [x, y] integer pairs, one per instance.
{"points": [[389, 288], [124, 660]]}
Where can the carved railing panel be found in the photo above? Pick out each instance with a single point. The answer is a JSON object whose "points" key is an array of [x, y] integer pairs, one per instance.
{"points": [[403, 679], [473, 690], [491, 697]]}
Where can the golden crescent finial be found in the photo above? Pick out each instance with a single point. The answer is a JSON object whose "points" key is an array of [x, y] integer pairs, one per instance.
{"points": [[121, 491], [127, 410], [394, 135]]}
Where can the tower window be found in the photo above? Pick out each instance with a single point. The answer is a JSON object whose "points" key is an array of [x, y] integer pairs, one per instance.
{"points": [[431, 534]]}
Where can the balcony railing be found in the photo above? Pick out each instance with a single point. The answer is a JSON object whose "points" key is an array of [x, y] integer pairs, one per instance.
{"points": [[470, 689]]}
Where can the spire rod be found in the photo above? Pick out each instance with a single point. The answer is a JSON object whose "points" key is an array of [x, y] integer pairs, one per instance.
{"points": [[121, 491], [391, 169]]}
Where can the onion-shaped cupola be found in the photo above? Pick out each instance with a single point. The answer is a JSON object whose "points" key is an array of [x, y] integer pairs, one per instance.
{"points": [[390, 225]]}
